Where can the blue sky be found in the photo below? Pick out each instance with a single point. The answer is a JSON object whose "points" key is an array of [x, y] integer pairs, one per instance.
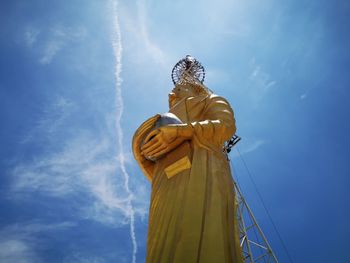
{"points": [[78, 77]]}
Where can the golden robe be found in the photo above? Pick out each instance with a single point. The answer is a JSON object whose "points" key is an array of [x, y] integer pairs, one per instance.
{"points": [[192, 216]]}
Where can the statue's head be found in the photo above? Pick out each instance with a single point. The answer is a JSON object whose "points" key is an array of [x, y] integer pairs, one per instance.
{"points": [[186, 90], [188, 76]]}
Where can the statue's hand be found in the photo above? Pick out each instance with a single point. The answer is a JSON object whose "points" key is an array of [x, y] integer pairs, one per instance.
{"points": [[165, 139]]}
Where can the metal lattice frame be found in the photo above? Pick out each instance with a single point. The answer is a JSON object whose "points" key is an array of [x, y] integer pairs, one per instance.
{"points": [[253, 242], [188, 70]]}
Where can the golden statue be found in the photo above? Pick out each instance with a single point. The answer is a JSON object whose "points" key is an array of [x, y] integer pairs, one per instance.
{"points": [[192, 216]]}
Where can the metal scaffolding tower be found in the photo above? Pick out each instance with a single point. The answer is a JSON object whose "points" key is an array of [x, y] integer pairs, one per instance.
{"points": [[254, 245]]}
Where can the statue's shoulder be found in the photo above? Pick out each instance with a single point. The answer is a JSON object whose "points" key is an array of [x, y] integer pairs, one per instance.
{"points": [[212, 98]]}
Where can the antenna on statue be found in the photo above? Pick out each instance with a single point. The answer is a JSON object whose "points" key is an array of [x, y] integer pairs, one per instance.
{"points": [[188, 70]]}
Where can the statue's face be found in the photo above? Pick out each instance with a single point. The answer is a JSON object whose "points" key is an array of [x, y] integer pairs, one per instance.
{"points": [[180, 92]]}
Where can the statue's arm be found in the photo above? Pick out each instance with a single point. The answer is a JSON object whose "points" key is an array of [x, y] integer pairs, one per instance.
{"points": [[146, 166], [218, 124]]}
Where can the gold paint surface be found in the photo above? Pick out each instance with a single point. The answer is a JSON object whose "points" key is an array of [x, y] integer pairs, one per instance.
{"points": [[192, 216], [177, 167]]}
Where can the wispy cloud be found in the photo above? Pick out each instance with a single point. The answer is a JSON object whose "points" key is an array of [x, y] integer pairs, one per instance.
{"points": [[50, 50], [117, 48], [59, 37], [85, 166], [260, 81], [82, 258], [14, 250], [19, 243], [153, 49], [82, 163], [31, 35], [52, 118], [218, 76], [48, 42], [248, 147], [144, 45], [253, 146]]}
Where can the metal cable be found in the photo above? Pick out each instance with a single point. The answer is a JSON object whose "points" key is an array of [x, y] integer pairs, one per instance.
{"points": [[263, 203], [251, 221]]}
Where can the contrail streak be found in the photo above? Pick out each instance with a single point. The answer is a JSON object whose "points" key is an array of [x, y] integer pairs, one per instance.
{"points": [[117, 48]]}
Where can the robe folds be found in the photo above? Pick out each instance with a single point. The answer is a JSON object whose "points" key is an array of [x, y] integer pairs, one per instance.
{"points": [[192, 216]]}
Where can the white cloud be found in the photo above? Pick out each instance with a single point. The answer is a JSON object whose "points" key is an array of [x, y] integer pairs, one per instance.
{"points": [[48, 42], [99, 178], [248, 147], [19, 244], [303, 96], [153, 49], [145, 49], [17, 251], [84, 257], [50, 50], [260, 82], [53, 117], [78, 257], [85, 166], [31, 35], [58, 173], [118, 49], [218, 76], [253, 146], [37, 227]]}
